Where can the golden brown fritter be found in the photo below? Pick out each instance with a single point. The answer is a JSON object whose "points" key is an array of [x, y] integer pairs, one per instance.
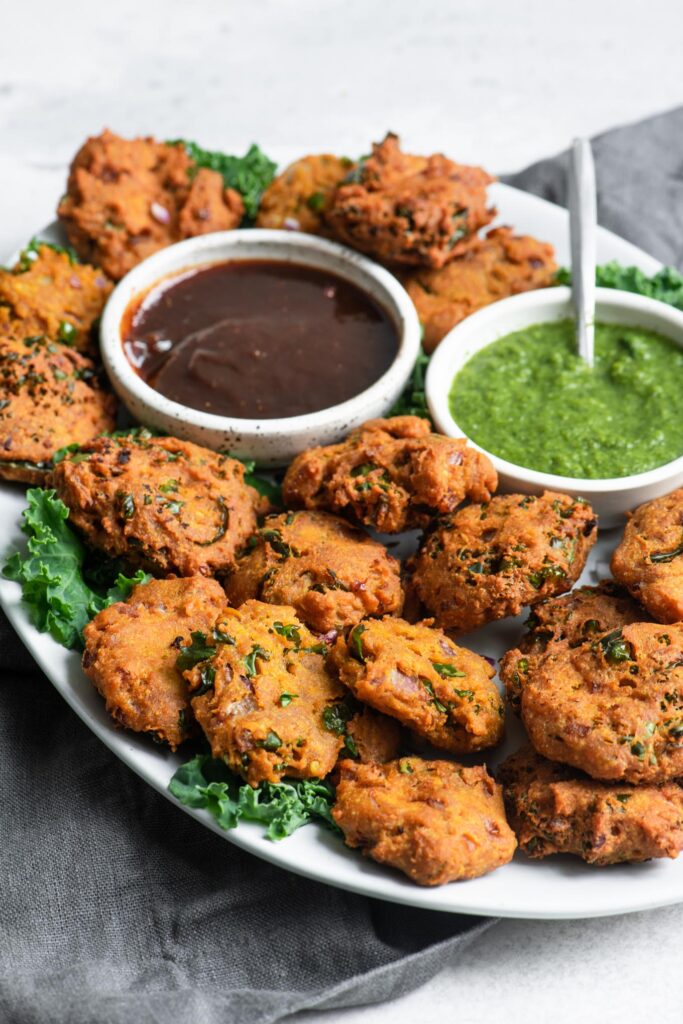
{"points": [[613, 707], [331, 573], [48, 293], [572, 619], [298, 198], [649, 560], [417, 675], [391, 474], [166, 505], [128, 198], [50, 396], [434, 820], [410, 209], [488, 561], [555, 809], [372, 737], [266, 702], [492, 268], [131, 650]]}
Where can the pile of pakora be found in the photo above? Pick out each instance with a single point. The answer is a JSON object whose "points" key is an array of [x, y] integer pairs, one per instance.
{"points": [[299, 647], [290, 640]]}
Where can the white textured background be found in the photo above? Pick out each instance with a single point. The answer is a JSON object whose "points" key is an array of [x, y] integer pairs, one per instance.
{"points": [[496, 82]]}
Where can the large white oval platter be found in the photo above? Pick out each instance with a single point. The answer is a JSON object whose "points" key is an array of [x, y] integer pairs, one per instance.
{"points": [[559, 887]]}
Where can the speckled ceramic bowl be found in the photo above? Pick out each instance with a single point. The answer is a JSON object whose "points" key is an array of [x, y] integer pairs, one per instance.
{"points": [[610, 498], [271, 442]]}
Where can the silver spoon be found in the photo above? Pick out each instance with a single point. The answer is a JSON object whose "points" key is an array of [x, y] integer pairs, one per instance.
{"points": [[582, 222]]}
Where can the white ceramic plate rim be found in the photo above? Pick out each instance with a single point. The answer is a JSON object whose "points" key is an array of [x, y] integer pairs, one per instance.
{"points": [[559, 888], [488, 323]]}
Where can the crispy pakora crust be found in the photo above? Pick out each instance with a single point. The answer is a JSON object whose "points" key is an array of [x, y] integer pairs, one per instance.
{"points": [[331, 573], [488, 561], [46, 293], [555, 809], [573, 619], [163, 504], [414, 673], [128, 198], [409, 209], [265, 700], [50, 396], [649, 559], [131, 650], [391, 474], [298, 197], [492, 268], [435, 821], [374, 737], [613, 707]]}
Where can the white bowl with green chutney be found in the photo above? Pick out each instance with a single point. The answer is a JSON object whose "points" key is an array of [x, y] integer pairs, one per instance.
{"points": [[509, 379]]}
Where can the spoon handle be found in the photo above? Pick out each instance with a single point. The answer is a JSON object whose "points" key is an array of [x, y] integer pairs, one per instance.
{"points": [[582, 222]]}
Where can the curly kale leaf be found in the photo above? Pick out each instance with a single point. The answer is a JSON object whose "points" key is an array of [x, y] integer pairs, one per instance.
{"points": [[281, 806], [51, 572]]}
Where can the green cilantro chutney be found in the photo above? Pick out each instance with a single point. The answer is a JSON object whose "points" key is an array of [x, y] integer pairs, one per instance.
{"points": [[530, 399]]}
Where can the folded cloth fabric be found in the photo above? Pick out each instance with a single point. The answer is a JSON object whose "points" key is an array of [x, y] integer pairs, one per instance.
{"points": [[117, 906], [639, 176]]}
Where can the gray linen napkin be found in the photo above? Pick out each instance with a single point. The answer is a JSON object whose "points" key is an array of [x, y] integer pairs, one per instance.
{"points": [[116, 906]]}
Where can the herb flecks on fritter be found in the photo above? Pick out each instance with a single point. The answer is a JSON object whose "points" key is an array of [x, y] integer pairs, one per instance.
{"points": [[263, 696], [166, 505], [487, 561], [613, 707], [415, 674], [301, 194], [435, 821], [48, 292], [50, 396], [128, 198], [131, 650], [573, 619], [649, 559], [392, 474], [491, 268], [556, 809], [409, 209], [331, 573]]}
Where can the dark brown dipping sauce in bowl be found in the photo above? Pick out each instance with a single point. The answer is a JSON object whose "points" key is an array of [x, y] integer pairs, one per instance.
{"points": [[258, 339]]}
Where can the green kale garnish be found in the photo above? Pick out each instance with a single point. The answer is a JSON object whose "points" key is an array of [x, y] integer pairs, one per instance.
{"points": [[281, 806], [51, 572], [666, 285]]}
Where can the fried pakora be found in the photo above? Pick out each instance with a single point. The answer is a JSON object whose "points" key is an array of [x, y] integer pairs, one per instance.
{"points": [[48, 293], [263, 696], [649, 560], [443, 693], [163, 504], [435, 821], [391, 474], [372, 737], [572, 619], [492, 268], [331, 573], [488, 561], [409, 209], [128, 198], [613, 707], [50, 396], [299, 197], [555, 809], [131, 650]]}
